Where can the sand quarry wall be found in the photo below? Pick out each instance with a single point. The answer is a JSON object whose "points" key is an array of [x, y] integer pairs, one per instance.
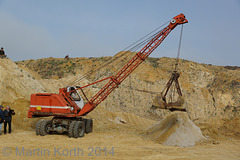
{"points": [[211, 92], [16, 86]]}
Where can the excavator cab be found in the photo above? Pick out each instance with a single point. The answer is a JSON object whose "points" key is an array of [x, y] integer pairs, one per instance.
{"points": [[76, 96], [170, 102]]}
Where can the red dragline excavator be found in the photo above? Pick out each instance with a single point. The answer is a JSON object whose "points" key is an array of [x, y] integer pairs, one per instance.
{"points": [[68, 107]]}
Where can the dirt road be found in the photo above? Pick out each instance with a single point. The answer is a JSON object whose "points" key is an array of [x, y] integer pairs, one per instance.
{"points": [[22, 144]]}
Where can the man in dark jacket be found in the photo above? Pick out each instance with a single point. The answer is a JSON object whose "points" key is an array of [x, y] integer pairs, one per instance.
{"points": [[8, 119], [2, 53], [2, 118]]}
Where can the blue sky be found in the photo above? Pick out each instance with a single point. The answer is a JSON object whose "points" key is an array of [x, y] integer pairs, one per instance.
{"points": [[32, 29]]}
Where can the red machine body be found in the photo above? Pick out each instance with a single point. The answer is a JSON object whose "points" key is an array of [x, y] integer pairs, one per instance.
{"points": [[65, 104], [47, 104]]}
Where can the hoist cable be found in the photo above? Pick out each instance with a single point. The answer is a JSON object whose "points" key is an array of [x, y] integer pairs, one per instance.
{"points": [[179, 48], [172, 91]]}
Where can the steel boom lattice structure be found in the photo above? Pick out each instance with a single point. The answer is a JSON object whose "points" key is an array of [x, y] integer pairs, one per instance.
{"points": [[132, 64]]}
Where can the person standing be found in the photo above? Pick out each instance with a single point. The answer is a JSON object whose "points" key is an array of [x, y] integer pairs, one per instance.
{"points": [[2, 53], [8, 119], [2, 118]]}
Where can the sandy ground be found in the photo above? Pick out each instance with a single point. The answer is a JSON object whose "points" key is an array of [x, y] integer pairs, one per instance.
{"points": [[22, 144]]}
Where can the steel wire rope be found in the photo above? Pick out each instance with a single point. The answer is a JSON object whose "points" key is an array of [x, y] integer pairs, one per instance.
{"points": [[134, 48], [115, 58], [172, 91], [179, 48]]}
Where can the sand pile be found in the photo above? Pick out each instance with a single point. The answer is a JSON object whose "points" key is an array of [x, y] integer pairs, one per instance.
{"points": [[175, 130]]}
